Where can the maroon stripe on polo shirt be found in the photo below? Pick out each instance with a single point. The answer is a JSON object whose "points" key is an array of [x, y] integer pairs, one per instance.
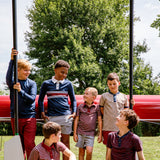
{"points": [[56, 94]]}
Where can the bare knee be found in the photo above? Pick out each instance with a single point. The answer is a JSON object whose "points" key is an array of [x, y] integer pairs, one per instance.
{"points": [[89, 151]]}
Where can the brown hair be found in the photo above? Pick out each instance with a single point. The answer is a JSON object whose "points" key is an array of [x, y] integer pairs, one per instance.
{"points": [[131, 117], [113, 76], [23, 63], [50, 128], [62, 63], [93, 91]]}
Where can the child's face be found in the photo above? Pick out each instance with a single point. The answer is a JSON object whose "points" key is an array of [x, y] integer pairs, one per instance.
{"points": [[61, 73], [88, 97], [121, 120], [113, 86], [57, 137], [23, 73]]}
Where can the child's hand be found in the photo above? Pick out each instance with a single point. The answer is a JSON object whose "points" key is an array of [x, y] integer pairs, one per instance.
{"points": [[99, 139], [14, 52], [72, 115], [75, 137], [132, 102], [17, 86], [44, 116]]}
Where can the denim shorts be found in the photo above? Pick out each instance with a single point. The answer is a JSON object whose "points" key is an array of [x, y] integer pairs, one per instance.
{"points": [[84, 141], [64, 122]]}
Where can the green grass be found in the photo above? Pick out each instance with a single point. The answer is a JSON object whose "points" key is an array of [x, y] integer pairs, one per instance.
{"points": [[151, 147]]}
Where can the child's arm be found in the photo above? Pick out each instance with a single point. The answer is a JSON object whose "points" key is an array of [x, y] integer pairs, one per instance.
{"points": [[41, 101], [69, 154], [9, 75], [132, 102], [102, 109], [140, 155], [100, 129], [73, 100], [75, 137], [108, 154]]}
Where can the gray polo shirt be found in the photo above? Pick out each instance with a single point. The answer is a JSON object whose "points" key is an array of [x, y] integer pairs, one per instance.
{"points": [[112, 104]]}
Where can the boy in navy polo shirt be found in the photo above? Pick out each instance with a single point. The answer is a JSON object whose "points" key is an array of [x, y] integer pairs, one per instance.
{"points": [[58, 89], [50, 148], [85, 124], [124, 144], [27, 90]]}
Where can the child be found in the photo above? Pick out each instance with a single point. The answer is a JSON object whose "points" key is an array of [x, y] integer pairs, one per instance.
{"points": [[111, 103], [85, 124], [50, 148], [124, 144], [27, 90], [57, 90]]}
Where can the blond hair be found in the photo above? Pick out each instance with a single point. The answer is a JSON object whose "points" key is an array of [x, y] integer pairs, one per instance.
{"points": [[23, 63], [93, 91]]}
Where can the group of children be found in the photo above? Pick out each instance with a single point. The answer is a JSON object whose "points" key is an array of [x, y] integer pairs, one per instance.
{"points": [[118, 119]]}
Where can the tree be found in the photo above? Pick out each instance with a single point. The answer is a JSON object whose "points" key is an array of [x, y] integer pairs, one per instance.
{"points": [[156, 23], [91, 34]]}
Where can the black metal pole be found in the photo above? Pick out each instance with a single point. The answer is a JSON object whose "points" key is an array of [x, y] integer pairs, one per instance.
{"points": [[131, 50], [15, 65]]}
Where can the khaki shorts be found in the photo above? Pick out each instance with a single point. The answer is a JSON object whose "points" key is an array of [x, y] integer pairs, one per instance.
{"points": [[84, 141], [64, 122]]}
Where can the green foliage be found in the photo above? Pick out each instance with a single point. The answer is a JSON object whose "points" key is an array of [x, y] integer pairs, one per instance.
{"points": [[150, 147], [6, 128], [92, 35], [156, 23]]}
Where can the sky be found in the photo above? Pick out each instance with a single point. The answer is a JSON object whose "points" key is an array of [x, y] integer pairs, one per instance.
{"points": [[146, 10]]}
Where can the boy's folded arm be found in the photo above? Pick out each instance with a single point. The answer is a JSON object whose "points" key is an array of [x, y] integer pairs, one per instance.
{"points": [[69, 154]]}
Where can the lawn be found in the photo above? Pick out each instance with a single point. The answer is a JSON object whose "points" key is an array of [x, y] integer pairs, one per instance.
{"points": [[151, 147]]}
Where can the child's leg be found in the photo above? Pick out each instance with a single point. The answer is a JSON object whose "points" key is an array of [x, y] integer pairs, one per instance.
{"points": [[89, 151], [81, 153], [65, 140]]}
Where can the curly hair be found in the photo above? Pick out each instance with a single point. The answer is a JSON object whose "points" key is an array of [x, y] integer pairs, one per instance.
{"points": [[61, 63]]}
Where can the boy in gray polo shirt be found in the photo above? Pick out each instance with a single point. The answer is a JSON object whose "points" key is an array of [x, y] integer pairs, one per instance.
{"points": [[111, 103], [85, 124]]}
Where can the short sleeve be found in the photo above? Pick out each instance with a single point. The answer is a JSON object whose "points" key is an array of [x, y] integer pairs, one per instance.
{"points": [[137, 143], [101, 102], [109, 140], [78, 110], [34, 155], [98, 111]]}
